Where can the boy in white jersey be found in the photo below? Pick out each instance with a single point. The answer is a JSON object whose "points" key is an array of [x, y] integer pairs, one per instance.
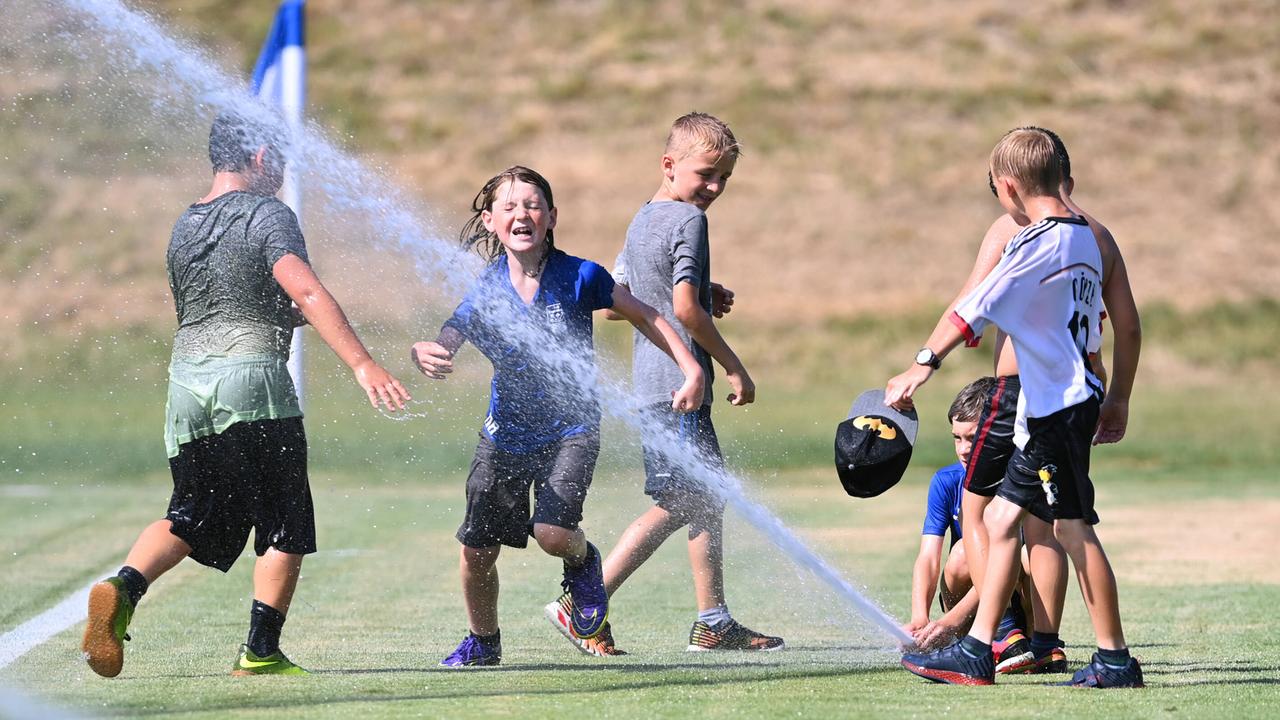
{"points": [[1045, 293]]}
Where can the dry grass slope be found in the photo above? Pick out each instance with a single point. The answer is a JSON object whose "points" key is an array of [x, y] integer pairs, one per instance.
{"points": [[866, 127]]}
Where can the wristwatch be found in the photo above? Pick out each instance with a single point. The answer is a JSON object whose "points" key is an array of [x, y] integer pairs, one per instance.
{"points": [[928, 357]]}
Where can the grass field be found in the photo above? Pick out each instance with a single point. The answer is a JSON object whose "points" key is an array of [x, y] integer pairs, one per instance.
{"points": [[1189, 515]]}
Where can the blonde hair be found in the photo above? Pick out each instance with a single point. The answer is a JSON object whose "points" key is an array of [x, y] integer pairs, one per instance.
{"points": [[1028, 156], [699, 132]]}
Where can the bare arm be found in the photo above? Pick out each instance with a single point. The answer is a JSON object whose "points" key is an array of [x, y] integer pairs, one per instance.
{"points": [[324, 314], [1117, 296], [924, 578], [702, 328], [650, 323]]}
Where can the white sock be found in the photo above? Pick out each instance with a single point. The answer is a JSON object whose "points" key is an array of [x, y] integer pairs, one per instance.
{"points": [[715, 616]]}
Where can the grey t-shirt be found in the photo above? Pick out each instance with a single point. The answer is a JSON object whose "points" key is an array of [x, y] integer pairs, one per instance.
{"points": [[234, 319], [220, 259], [666, 245]]}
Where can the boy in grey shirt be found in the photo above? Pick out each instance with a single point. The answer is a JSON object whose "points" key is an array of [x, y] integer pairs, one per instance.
{"points": [[666, 262]]}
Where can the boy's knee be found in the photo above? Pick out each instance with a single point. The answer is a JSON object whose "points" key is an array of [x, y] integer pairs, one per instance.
{"points": [[1073, 533], [1003, 519], [479, 558]]}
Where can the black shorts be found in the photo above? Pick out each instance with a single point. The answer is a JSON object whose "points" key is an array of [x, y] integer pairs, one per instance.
{"points": [[498, 490], [666, 481], [993, 440], [1059, 445], [251, 475]]}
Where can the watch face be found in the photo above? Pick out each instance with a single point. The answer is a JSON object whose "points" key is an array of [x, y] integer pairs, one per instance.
{"points": [[924, 357]]}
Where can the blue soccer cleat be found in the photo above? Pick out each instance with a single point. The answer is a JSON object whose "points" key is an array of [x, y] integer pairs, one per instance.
{"points": [[585, 585], [475, 652], [1098, 674], [953, 666]]}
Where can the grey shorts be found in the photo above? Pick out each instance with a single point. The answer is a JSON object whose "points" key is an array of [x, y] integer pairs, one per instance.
{"points": [[666, 481], [498, 513]]}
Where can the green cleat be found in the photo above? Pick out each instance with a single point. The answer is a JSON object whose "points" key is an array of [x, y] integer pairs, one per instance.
{"points": [[109, 614], [274, 664]]}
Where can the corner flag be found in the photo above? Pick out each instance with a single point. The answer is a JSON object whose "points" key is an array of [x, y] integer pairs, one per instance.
{"points": [[280, 78]]}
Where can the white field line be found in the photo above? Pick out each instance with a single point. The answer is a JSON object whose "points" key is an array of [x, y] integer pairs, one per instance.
{"points": [[75, 609], [27, 636]]}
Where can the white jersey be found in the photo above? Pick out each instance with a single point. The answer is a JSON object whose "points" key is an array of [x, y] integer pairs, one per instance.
{"points": [[1046, 294]]}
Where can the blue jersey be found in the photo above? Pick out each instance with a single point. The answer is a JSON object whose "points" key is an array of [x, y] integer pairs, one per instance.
{"points": [[536, 399], [943, 511]]}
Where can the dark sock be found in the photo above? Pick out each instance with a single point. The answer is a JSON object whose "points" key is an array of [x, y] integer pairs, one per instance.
{"points": [[265, 624], [974, 647], [134, 584], [1019, 615], [1043, 643], [496, 637], [1114, 658]]}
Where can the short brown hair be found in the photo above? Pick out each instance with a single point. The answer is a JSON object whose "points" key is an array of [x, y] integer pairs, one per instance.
{"points": [[967, 406], [700, 132], [1028, 156]]}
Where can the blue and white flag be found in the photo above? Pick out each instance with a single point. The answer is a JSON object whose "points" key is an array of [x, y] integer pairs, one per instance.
{"points": [[280, 79], [280, 75]]}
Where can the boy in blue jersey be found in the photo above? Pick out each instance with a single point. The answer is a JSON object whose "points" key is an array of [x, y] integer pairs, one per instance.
{"points": [[529, 313], [956, 596]]}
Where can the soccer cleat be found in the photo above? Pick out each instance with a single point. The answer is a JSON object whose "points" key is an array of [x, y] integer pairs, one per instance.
{"points": [[951, 665], [732, 636], [1055, 661], [110, 611], [590, 603], [474, 652], [1015, 656], [274, 664], [601, 645], [1098, 674]]}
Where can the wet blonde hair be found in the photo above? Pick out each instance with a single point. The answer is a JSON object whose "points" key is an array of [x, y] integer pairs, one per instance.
{"points": [[699, 132], [1028, 156]]}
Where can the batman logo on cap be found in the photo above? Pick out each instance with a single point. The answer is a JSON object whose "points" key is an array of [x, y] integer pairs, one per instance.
{"points": [[881, 428]]}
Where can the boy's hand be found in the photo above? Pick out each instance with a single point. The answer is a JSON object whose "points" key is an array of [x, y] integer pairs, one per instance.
{"points": [[433, 359], [899, 391], [1113, 420], [934, 635], [744, 389], [721, 300], [379, 384], [689, 397]]}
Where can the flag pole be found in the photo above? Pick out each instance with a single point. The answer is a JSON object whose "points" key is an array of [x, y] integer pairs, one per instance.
{"points": [[280, 78]]}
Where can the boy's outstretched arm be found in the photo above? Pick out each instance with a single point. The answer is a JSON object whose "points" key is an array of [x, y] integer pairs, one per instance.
{"points": [[647, 320], [435, 359], [924, 578], [702, 328], [953, 624], [901, 389], [1126, 326], [323, 313]]}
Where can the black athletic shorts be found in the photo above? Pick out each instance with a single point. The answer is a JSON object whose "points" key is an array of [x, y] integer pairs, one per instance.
{"points": [[1059, 445], [993, 440], [666, 480], [498, 490], [251, 475]]}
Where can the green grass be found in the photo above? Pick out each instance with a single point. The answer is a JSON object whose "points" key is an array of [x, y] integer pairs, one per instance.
{"points": [[379, 606], [82, 471]]}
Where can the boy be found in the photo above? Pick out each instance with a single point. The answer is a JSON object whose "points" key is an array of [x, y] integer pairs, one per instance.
{"points": [[666, 264], [233, 428], [1045, 294], [956, 596], [994, 442]]}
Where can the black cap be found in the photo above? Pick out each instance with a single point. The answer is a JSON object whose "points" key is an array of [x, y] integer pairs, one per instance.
{"points": [[873, 446]]}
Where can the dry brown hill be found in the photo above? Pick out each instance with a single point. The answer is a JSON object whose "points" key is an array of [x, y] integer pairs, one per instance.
{"points": [[866, 126]]}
